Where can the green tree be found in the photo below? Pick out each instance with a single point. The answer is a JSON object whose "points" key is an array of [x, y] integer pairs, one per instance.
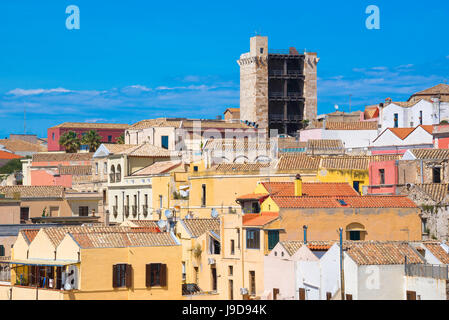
{"points": [[11, 166], [92, 139], [70, 142], [121, 139]]}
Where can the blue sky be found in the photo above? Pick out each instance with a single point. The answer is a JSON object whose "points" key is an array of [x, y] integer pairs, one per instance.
{"points": [[134, 60]]}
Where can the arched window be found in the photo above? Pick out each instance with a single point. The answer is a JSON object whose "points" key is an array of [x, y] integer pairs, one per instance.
{"points": [[119, 173], [112, 174], [355, 231]]}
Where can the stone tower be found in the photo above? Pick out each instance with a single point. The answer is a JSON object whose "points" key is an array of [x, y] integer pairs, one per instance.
{"points": [[278, 89]]}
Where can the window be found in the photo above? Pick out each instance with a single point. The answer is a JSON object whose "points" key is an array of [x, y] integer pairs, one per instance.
{"points": [[354, 235], [273, 238], [381, 176], [255, 207], [164, 142], [411, 295], [83, 211], [420, 117], [195, 274], [96, 167], [53, 136], [121, 275], [203, 197], [424, 226], [356, 186], [109, 138], [214, 246], [156, 275], [232, 247], [396, 120], [183, 271], [238, 239], [214, 278], [261, 50], [231, 270], [24, 214], [160, 201], [105, 168], [2, 251], [302, 294], [195, 168], [252, 239], [252, 282], [436, 175]]}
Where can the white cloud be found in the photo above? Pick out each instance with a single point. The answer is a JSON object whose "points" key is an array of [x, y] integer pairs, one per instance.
{"points": [[32, 92]]}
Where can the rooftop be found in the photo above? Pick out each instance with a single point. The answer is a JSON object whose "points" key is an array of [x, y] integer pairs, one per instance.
{"points": [[259, 219], [311, 189], [123, 239], [159, 167], [16, 145], [91, 125], [62, 156], [24, 192], [197, 227]]}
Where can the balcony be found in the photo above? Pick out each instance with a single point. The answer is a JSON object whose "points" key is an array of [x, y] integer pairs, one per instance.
{"points": [[126, 211], [289, 74], [282, 118], [115, 211], [281, 96], [134, 210], [118, 176], [145, 210], [112, 177]]}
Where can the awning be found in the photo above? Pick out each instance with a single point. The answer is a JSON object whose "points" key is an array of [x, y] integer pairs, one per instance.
{"points": [[54, 263]]}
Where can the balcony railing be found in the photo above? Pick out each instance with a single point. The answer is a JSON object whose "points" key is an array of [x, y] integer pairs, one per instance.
{"points": [[134, 210], [115, 211], [292, 73], [126, 211], [145, 210], [281, 117], [112, 177], [281, 95], [118, 177]]}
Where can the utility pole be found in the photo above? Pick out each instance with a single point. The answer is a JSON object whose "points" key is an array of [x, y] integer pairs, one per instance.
{"points": [[24, 120], [342, 277], [350, 103]]}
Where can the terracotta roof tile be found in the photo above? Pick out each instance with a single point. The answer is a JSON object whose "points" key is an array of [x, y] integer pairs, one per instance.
{"points": [[62, 156], [292, 246], [259, 220], [240, 167], [149, 150], [311, 189], [123, 239], [75, 170], [252, 196], [197, 227], [21, 146], [8, 155], [430, 153], [146, 223], [351, 202], [438, 89], [298, 162], [158, 168], [355, 125], [117, 147], [382, 253], [25, 192], [91, 125], [236, 145], [437, 191], [324, 144], [29, 234], [436, 249]]}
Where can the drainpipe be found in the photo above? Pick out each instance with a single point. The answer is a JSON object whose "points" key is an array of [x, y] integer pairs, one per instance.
{"points": [[305, 234], [342, 277]]}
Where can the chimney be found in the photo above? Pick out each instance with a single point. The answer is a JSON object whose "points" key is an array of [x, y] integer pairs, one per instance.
{"points": [[298, 186], [305, 234]]}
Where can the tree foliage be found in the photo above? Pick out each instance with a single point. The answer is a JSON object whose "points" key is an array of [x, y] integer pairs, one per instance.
{"points": [[121, 139], [70, 142], [92, 139]]}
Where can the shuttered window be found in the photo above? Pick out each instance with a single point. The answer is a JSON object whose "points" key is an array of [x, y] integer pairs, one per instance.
{"points": [[253, 239], [156, 275], [121, 275], [273, 238]]}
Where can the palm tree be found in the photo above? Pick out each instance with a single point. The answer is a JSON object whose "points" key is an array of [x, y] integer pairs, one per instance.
{"points": [[121, 139], [92, 139], [70, 142]]}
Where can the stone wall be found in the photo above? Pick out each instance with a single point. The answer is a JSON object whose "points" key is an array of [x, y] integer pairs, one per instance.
{"points": [[310, 85]]}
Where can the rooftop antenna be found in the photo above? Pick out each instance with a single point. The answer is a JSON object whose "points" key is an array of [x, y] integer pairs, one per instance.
{"points": [[350, 96], [24, 120]]}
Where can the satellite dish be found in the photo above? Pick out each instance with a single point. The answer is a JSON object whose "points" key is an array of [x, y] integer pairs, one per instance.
{"points": [[214, 214], [183, 193], [168, 214], [162, 224]]}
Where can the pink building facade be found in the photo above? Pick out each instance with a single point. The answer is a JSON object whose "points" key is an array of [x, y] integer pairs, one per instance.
{"points": [[383, 177], [109, 132]]}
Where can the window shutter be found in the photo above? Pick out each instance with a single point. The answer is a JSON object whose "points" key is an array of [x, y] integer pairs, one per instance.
{"points": [[163, 275], [148, 275], [2, 250], [129, 275], [114, 276]]}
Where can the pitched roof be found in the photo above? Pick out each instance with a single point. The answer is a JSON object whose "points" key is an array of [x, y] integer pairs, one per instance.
{"points": [[345, 163], [123, 239], [29, 234], [259, 219], [33, 191], [289, 162], [236, 145], [351, 202], [239, 167], [290, 143], [311, 189], [92, 125], [252, 196], [403, 133], [149, 150], [146, 223], [75, 170], [371, 112], [117, 147], [437, 191], [159, 122], [353, 125], [438, 89], [197, 227], [8, 155], [187, 124], [16, 145], [57, 234], [158, 168], [439, 154], [292, 246], [382, 253], [436, 249], [324, 144], [62, 156], [232, 110]]}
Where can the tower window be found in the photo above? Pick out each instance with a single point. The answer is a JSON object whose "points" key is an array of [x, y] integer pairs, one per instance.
{"points": [[261, 50]]}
